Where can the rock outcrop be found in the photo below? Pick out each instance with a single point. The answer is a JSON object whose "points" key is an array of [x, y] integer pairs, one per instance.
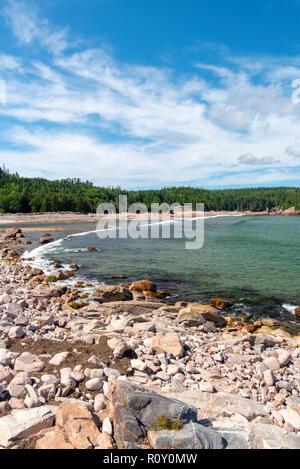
{"points": [[109, 293]]}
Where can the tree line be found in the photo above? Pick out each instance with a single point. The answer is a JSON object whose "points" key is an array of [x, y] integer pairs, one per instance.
{"points": [[32, 195]]}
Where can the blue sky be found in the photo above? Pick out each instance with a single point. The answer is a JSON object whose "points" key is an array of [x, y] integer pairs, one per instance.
{"points": [[146, 94]]}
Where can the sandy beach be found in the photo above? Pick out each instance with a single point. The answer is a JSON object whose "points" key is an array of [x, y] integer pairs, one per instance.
{"points": [[72, 217], [66, 356]]}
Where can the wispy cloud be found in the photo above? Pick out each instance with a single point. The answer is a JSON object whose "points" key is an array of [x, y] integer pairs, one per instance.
{"points": [[29, 27]]}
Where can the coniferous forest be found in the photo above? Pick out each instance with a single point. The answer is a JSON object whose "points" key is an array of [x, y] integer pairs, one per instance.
{"points": [[32, 195]]}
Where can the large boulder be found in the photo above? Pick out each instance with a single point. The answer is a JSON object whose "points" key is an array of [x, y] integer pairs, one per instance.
{"points": [[46, 239], [266, 436], [198, 312], [108, 293], [168, 342], [79, 425], [191, 436], [40, 291], [191, 318], [143, 286], [136, 410], [127, 428], [13, 233], [220, 303], [147, 405]]}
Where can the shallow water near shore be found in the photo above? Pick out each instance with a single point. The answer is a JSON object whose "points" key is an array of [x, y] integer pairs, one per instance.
{"points": [[254, 261]]}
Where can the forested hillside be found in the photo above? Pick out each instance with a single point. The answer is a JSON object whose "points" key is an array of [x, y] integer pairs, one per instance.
{"points": [[30, 195]]}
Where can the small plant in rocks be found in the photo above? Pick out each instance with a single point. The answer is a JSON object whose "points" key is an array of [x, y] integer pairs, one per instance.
{"points": [[163, 422]]}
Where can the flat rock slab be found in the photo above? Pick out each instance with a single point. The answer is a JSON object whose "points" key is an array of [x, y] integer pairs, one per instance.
{"points": [[273, 437], [133, 307], [169, 343], [191, 436], [29, 362], [78, 424], [109, 293], [55, 439], [221, 403], [24, 423]]}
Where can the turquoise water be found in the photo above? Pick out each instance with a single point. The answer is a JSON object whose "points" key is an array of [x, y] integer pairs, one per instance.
{"points": [[252, 260]]}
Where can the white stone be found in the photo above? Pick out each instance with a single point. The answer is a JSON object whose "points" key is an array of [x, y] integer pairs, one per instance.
{"points": [[139, 365], [66, 378], [272, 363], [172, 369], [117, 325], [206, 387], [59, 358], [292, 417], [111, 372], [47, 391], [106, 389], [94, 384], [78, 375], [31, 391], [163, 376], [99, 403], [96, 373], [269, 378], [49, 379], [283, 357], [107, 426], [31, 402], [16, 332], [23, 423]]}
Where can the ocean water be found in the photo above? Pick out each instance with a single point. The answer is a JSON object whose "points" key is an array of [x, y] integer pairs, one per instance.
{"points": [[254, 261]]}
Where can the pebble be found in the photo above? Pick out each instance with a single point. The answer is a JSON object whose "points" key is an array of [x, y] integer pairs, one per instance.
{"points": [[138, 365], [94, 384], [107, 426], [272, 363], [59, 358], [206, 387], [99, 403]]}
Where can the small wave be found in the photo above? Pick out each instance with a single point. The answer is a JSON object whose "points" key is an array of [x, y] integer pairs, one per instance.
{"points": [[290, 308], [214, 216], [40, 255]]}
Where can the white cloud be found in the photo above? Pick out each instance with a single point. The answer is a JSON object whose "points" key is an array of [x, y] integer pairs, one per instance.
{"points": [[28, 26], [294, 150], [249, 159], [8, 62], [88, 114]]}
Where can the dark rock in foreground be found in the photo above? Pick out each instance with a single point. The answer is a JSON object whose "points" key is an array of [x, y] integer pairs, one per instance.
{"points": [[191, 436]]}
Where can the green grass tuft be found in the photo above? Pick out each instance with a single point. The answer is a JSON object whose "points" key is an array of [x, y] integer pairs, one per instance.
{"points": [[163, 422]]}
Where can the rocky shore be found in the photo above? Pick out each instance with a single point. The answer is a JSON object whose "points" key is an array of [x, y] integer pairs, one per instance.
{"points": [[124, 368]]}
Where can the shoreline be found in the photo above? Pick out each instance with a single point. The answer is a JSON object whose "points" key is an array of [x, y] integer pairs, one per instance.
{"points": [[70, 217], [83, 356], [47, 266]]}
